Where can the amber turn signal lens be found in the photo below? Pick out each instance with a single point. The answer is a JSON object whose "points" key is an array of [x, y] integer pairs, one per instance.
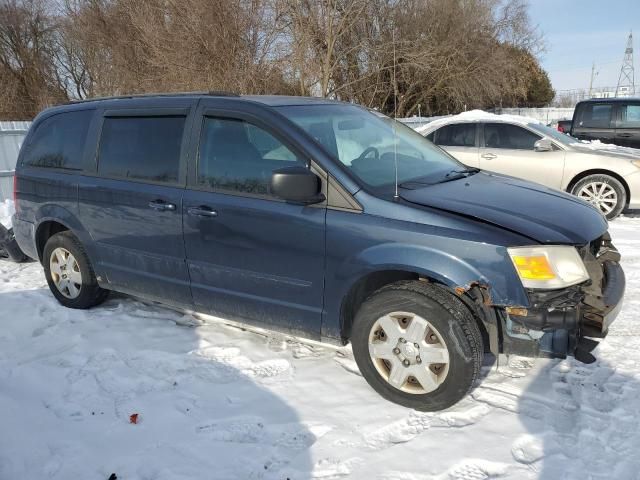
{"points": [[534, 268]]}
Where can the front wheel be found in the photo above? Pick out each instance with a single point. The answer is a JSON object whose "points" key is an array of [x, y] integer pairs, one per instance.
{"points": [[604, 192], [417, 345]]}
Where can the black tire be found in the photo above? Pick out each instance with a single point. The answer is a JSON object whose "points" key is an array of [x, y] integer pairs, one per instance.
{"points": [[615, 184], [9, 247], [90, 292], [450, 317]]}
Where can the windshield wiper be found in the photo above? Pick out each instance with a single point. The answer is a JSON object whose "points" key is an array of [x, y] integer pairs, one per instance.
{"points": [[452, 175], [458, 174]]}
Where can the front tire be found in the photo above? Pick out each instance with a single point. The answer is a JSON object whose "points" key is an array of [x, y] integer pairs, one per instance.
{"points": [[417, 345], [604, 192], [69, 273]]}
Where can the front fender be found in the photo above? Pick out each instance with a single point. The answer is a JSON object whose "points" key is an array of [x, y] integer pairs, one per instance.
{"points": [[462, 265], [425, 261]]}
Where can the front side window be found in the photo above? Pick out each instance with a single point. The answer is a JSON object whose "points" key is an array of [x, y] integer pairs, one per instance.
{"points": [[370, 145], [505, 135], [59, 141], [457, 135], [630, 116], [596, 115], [141, 148], [238, 156]]}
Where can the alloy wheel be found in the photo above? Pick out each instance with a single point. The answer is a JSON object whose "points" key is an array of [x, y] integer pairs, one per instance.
{"points": [[601, 195]]}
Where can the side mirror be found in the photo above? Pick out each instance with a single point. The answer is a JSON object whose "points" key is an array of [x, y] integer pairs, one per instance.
{"points": [[543, 145], [296, 184]]}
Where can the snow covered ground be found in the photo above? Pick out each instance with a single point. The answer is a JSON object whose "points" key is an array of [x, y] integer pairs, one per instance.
{"points": [[216, 402]]}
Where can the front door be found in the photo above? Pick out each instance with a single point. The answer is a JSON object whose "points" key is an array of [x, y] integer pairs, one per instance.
{"points": [[509, 149], [628, 128], [251, 257]]}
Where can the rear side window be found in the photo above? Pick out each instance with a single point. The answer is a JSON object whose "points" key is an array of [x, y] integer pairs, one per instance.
{"points": [[141, 148], [630, 116], [595, 115], [513, 137], [58, 141], [238, 156], [460, 135]]}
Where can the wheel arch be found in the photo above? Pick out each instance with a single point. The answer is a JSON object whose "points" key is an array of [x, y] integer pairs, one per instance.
{"points": [[600, 171], [372, 281], [45, 230], [52, 219]]}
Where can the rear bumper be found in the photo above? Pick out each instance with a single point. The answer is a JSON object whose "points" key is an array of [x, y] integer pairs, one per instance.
{"points": [[566, 322], [25, 236]]}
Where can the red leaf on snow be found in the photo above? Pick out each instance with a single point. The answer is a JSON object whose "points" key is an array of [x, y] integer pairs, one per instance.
{"points": [[133, 418]]}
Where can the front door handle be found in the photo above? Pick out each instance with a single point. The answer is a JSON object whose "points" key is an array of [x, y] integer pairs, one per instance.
{"points": [[202, 211], [488, 156], [162, 206]]}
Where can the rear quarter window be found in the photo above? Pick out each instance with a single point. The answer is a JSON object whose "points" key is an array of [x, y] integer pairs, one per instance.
{"points": [[58, 141]]}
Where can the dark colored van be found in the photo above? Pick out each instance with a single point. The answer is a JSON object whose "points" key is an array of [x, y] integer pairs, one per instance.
{"points": [[610, 120], [320, 219]]}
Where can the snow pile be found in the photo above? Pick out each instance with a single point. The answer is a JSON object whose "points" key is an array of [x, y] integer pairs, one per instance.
{"points": [[217, 402], [6, 212], [476, 116]]}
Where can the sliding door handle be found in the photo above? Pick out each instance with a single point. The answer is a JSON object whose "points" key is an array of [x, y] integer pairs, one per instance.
{"points": [[162, 206], [202, 211]]}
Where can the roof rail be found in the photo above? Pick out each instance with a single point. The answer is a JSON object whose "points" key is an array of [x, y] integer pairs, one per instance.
{"points": [[212, 93]]}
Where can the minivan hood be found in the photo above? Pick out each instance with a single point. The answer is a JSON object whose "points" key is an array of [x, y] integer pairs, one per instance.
{"points": [[545, 215]]}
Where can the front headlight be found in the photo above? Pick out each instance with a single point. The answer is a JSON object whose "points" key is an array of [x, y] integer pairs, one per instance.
{"points": [[548, 267]]}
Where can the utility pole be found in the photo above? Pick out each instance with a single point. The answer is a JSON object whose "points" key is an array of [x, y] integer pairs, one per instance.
{"points": [[626, 78], [593, 75]]}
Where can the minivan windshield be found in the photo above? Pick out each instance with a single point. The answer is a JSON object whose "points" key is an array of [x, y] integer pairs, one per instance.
{"points": [[368, 143], [553, 133]]}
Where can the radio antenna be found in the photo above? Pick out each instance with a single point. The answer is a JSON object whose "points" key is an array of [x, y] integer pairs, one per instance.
{"points": [[395, 114]]}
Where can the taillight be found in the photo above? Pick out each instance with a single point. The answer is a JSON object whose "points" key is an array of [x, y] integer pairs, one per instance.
{"points": [[560, 128], [15, 191]]}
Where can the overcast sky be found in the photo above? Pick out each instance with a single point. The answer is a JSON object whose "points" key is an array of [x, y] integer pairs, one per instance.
{"points": [[580, 32]]}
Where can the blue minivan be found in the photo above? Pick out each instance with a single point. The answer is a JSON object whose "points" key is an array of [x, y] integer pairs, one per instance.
{"points": [[320, 219]]}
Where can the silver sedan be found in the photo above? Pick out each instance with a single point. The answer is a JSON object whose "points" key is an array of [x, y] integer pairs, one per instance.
{"points": [[604, 175]]}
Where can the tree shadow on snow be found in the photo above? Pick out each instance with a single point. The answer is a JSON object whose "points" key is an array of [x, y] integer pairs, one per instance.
{"points": [[70, 381]]}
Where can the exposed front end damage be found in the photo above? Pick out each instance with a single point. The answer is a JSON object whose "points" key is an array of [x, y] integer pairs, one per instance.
{"points": [[565, 322], [558, 323]]}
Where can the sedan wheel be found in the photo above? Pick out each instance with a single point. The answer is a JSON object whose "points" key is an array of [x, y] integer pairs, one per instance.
{"points": [[600, 194], [65, 272], [408, 352], [604, 192]]}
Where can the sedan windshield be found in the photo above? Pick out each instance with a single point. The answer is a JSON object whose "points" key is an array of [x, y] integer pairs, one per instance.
{"points": [[369, 145], [553, 133]]}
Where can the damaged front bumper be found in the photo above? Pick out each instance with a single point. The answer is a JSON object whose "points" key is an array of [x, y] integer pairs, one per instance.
{"points": [[565, 322]]}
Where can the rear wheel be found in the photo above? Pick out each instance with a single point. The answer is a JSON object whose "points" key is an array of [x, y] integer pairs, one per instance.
{"points": [[417, 345], [69, 273], [604, 192]]}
